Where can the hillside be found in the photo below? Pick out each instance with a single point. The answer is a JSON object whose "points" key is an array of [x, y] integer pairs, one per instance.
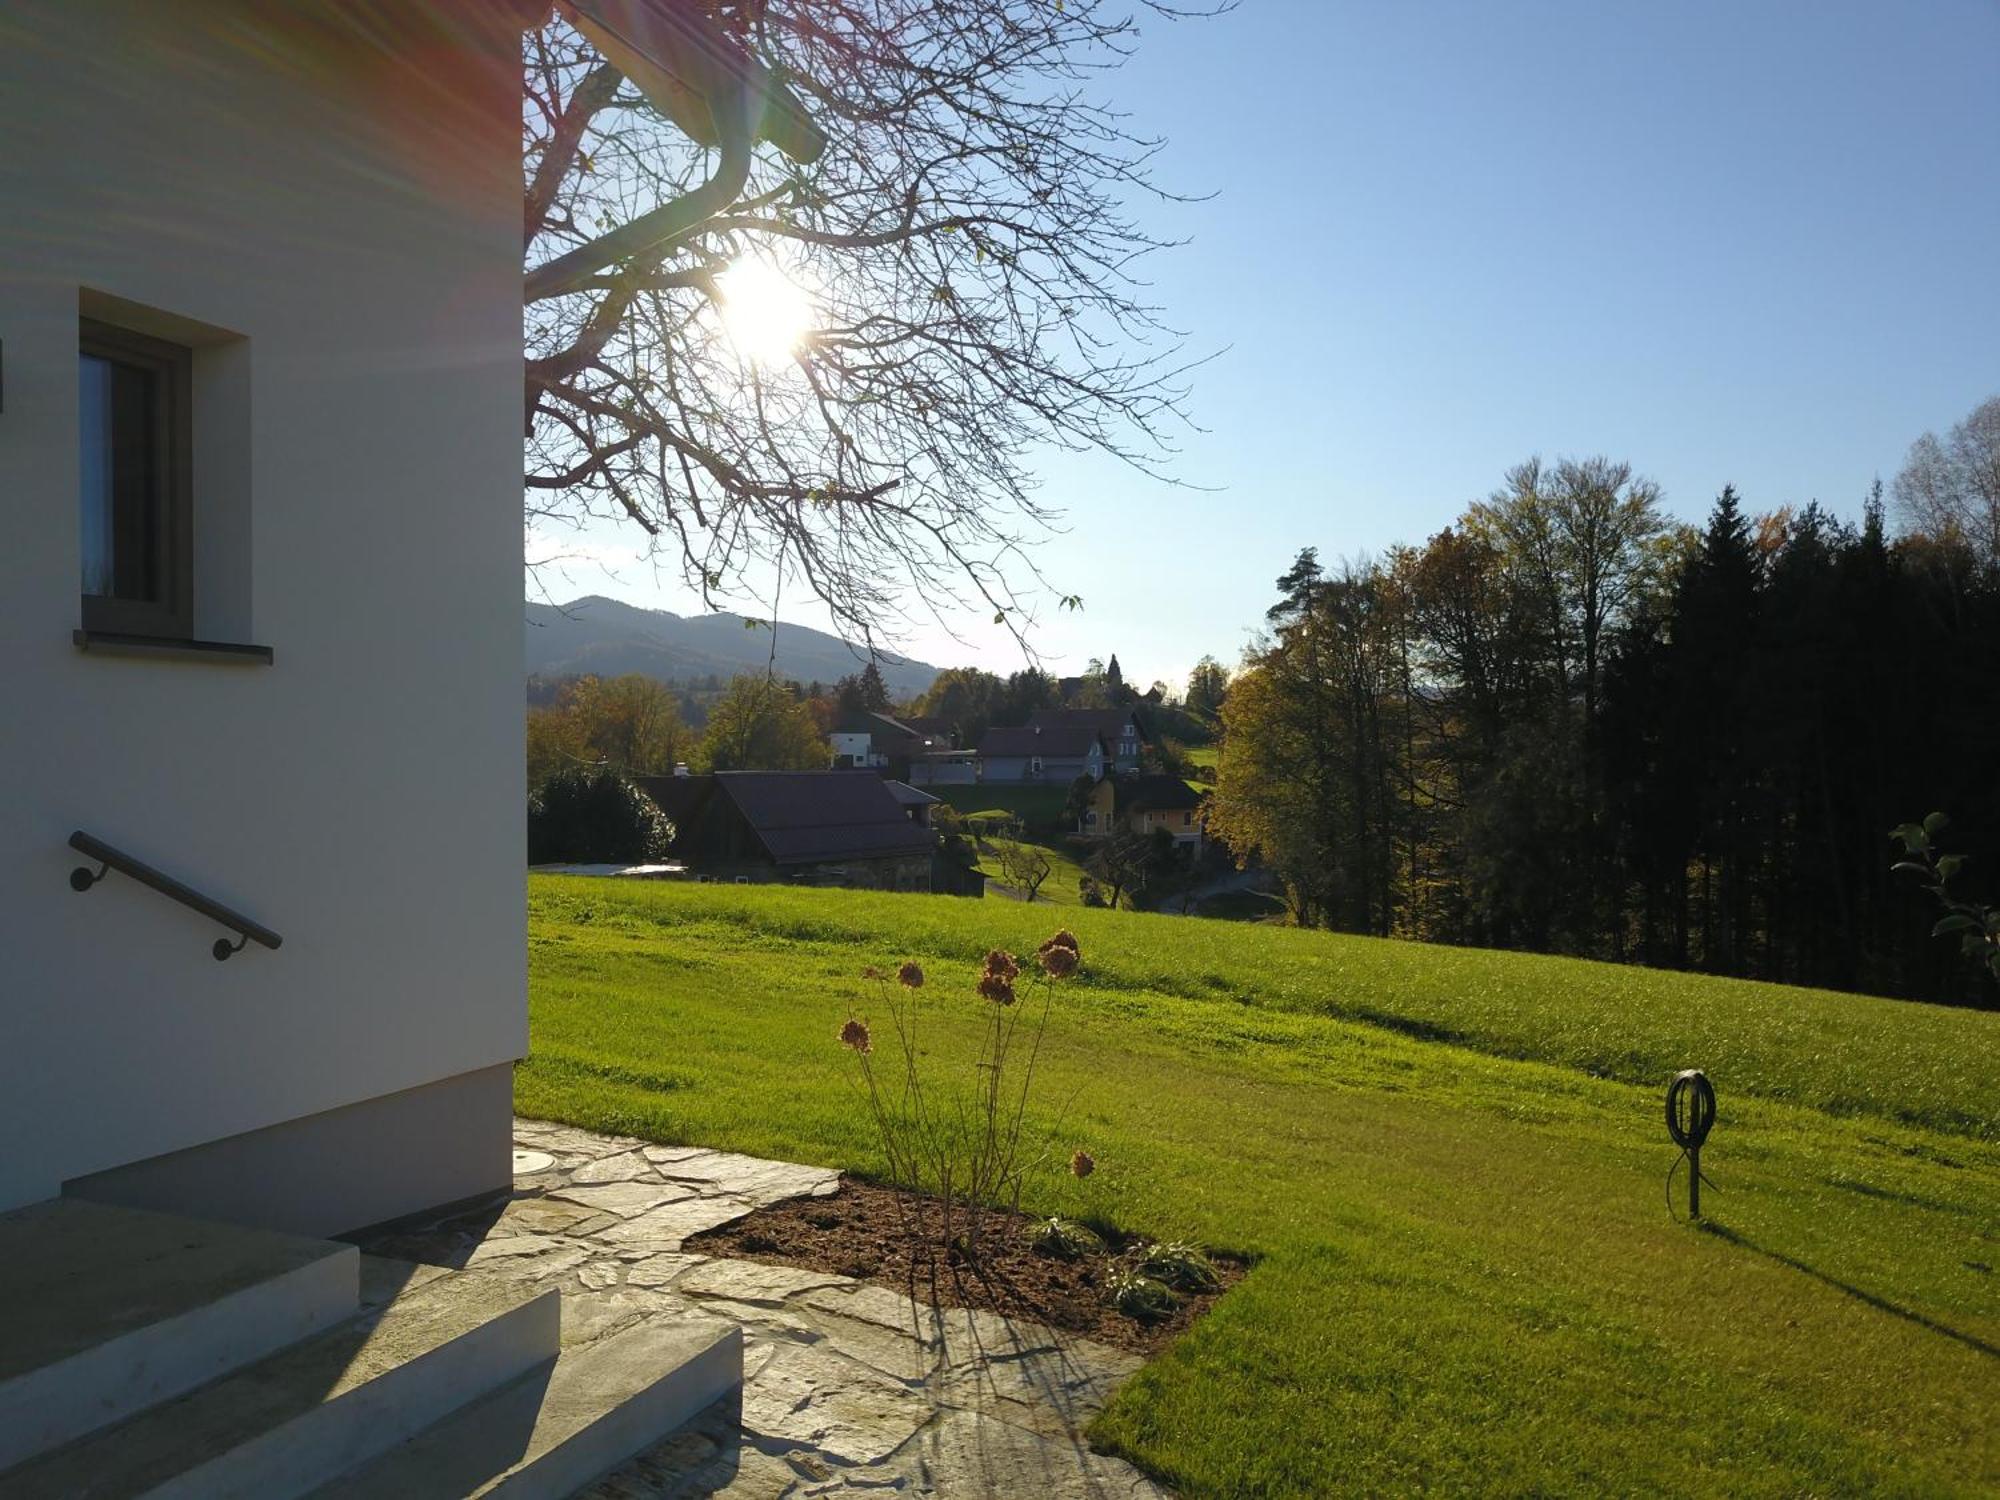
{"points": [[1447, 1165], [610, 638]]}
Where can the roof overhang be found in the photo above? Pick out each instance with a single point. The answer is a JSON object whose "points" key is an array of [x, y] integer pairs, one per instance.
{"points": [[697, 76]]}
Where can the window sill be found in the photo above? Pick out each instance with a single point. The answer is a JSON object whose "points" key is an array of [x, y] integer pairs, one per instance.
{"points": [[112, 643]]}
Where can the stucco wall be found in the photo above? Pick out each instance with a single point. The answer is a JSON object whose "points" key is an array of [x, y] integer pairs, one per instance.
{"points": [[343, 220]]}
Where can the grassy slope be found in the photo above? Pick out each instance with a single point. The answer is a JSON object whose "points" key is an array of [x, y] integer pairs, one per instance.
{"points": [[1040, 810], [1467, 1277]]}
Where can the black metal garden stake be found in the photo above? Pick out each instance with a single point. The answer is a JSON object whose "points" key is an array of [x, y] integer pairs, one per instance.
{"points": [[1690, 1114]]}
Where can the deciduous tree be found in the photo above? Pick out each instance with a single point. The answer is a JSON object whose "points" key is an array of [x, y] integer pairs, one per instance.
{"points": [[963, 249], [758, 725]]}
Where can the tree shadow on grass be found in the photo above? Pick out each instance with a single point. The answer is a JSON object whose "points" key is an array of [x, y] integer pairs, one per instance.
{"points": [[1880, 1304]]}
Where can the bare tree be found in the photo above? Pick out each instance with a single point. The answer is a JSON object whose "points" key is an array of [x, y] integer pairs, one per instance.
{"points": [[964, 241], [1953, 486], [1024, 867]]}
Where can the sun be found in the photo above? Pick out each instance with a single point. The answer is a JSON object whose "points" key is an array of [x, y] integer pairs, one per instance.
{"points": [[766, 314]]}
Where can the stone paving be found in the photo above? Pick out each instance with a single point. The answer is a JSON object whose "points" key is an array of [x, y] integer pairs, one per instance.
{"points": [[848, 1386]]}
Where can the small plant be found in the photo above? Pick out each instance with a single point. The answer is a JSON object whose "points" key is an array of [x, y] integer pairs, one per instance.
{"points": [[1184, 1267], [1974, 924], [1137, 1295], [960, 1140], [1064, 1239]]}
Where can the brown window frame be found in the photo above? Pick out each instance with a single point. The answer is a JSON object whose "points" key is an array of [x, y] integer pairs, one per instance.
{"points": [[171, 616]]}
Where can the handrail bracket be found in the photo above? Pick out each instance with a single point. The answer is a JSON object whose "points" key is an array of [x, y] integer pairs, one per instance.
{"points": [[82, 878]]}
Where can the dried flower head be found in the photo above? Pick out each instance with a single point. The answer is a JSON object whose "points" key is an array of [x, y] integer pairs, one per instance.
{"points": [[855, 1034], [1000, 962], [1058, 963], [996, 987], [1063, 939], [1082, 1164], [871, 972], [911, 974]]}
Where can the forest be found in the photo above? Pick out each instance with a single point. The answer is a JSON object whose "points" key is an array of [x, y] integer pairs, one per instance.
{"points": [[1565, 724]]}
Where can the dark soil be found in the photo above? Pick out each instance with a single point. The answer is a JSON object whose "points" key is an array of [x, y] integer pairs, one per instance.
{"points": [[876, 1234]]}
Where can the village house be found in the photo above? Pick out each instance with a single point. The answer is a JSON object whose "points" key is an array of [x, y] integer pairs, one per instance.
{"points": [[1056, 754], [944, 768], [1122, 730], [822, 828], [875, 742], [1142, 802], [936, 731], [261, 292]]}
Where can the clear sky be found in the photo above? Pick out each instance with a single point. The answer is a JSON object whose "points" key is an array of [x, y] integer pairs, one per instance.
{"points": [[1742, 242]]}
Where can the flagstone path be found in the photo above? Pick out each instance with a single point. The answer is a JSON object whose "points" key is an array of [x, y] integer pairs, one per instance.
{"points": [[848, 1387]]}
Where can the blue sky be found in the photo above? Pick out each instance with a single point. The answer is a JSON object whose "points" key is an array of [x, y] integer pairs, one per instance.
{"points": [[1748, 243]]}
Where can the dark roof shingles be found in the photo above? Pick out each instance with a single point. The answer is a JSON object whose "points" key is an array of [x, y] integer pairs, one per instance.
{"points": [[804, 817]]}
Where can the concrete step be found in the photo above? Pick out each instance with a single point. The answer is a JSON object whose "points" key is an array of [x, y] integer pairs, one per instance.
{"points": [[567, 1422], [105, 1311], [279, 1427]]}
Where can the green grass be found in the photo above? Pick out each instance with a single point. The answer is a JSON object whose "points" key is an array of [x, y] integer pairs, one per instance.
{"points": [[1039, 811], [1447, 1164], [1040, 807]]}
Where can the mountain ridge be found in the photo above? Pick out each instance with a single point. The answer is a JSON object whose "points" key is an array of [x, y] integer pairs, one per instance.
{"points": [[610, 638]]}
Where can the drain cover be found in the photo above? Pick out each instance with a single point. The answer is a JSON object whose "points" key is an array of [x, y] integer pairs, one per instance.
{"points": [[528, 1163]]}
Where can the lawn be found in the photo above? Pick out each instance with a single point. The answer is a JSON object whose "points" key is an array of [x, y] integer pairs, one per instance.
{"points": [[1447, 1163], [1039, 810]]}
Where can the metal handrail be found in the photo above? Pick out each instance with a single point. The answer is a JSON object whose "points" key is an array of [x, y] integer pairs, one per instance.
{"points": [[81, 879]]}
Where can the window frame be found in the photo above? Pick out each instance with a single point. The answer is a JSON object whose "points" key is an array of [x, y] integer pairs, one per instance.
{"points": [[171, 617]]}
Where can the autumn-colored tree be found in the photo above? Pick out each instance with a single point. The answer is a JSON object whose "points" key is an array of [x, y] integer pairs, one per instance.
{"points": [[1207, 687], [632, 724], [759, 725]]}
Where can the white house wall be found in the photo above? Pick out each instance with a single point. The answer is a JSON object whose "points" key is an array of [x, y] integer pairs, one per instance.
{"points": [[358, 233]]}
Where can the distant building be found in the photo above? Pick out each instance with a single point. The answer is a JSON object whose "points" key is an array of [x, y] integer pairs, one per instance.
{"points": [[944, 768], [1056, 754], [823, 828], [1143, 802], [880, 742], [1122, 730], [918, 805], [938, 733], [874, 742]]}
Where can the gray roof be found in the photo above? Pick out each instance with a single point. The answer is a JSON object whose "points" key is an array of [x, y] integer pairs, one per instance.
{"points": [[908, 795], [880, 726], [804, 817], [1153, 791], [1109, 722], [1062, 741]]}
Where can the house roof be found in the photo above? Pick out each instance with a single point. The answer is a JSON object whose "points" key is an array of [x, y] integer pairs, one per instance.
{"points": [[908, 795], [676, 796], [878, 725], [1153, 791], [687, 65], [1066, 741], [930, 726], [804, 817], [1108, 722]]}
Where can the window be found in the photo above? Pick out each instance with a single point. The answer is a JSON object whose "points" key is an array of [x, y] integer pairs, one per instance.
{"points": [[135, 421], [1187, 820]]}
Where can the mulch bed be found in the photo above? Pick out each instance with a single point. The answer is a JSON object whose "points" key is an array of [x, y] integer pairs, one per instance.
{"points": [[863, 1231]]}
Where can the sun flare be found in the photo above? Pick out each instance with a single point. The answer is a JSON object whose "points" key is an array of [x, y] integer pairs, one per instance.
{"points": [[766, 314]]}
